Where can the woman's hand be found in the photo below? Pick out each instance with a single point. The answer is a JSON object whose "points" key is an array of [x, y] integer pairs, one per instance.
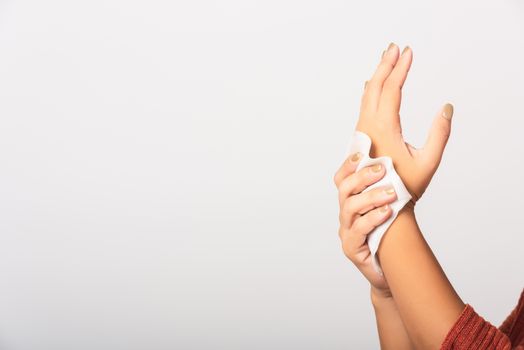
{"points": [[379, 118], [360, 213]]}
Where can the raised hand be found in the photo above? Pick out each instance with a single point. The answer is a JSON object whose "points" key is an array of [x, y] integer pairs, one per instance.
{"points": [[380, 119]]}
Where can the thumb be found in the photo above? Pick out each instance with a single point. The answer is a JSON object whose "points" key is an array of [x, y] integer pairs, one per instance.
{"points": [[438, 135]]}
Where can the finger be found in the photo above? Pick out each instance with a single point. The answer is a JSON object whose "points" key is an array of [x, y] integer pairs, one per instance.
{"points": [[438, 136], [363, 202], [347, 168], [357, 182], [355, 237], [390, 98], [371, 96], [358, 205]]}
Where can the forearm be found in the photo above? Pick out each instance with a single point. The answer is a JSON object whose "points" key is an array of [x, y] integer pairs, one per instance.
{"points": [[391, 330], [426, 300]]}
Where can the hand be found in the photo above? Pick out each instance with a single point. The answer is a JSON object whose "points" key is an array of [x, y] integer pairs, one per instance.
{"points": [[379, 118], [360, 213]]}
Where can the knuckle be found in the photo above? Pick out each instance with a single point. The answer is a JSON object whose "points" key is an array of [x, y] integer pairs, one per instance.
{"points": [[344, 187], [363, 226], [348, 185], [357, 226]]}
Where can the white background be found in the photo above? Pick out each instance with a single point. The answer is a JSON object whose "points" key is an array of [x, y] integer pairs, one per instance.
{"points": [[166, 167]]}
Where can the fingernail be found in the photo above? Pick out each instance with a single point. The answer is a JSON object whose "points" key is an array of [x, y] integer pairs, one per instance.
{"points": [[390, 46], [355, 157], [365, 84], [383, 52], [405, 49], [384, 208], [389, 191], [448, 111], [376, 168]]}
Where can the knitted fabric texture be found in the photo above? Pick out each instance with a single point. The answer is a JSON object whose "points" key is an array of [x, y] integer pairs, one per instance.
{"points": [[472, 331]]}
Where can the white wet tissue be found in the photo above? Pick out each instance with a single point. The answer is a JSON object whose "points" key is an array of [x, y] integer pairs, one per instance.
{"points": [[361, 142]]}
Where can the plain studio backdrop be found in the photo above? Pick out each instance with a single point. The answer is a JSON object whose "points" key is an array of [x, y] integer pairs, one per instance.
{"points": [[166, 168]]}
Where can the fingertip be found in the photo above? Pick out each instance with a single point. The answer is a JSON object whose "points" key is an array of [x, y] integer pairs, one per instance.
{"points": [[438, 135], [376, 170], [355, 157], [347, 168], [447, 111], [385, 211], [392, 52], [391, 194]]}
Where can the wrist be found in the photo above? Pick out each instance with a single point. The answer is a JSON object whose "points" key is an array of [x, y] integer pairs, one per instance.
{"points": [[408, 209]]}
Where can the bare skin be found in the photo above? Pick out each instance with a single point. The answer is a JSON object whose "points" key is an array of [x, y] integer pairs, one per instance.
{"points": [[391, 329], [353, 230], [415, 292]]}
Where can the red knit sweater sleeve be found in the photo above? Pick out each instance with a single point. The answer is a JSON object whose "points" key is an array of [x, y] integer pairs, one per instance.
{"points": [[471, 331], [508, 323]]}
